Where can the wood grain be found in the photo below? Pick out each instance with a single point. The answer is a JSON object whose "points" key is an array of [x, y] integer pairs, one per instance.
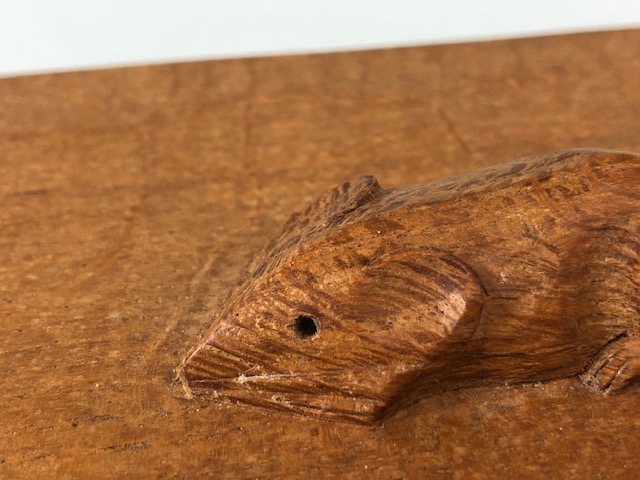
{"points": [[132, 198]]}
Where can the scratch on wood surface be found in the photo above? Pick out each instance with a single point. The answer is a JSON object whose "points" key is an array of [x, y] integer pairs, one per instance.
{"points": [[453, 131], [123, 447]]}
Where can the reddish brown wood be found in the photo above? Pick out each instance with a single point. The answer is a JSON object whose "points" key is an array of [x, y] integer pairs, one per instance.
{"points": [[131, 199], [523, 272]]}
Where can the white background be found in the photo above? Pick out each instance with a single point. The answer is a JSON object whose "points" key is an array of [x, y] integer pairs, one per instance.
{"points": [[57, 35]]}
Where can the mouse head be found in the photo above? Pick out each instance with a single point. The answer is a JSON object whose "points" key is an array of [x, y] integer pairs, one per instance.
{"points": [[334, 320]]}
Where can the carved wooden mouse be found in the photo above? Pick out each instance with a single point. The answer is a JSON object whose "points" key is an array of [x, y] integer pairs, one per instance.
{"points": [[522, 272]]}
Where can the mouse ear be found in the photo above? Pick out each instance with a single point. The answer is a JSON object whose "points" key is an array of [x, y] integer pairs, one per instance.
{"points": [[328, 209], [416, 298], [333, 205]]}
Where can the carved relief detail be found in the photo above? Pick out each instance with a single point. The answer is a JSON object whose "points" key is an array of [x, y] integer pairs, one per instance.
{"points": [[370, 299]]}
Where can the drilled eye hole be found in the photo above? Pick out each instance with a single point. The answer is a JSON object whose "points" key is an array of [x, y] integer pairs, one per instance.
{"points": [[306, 326]]}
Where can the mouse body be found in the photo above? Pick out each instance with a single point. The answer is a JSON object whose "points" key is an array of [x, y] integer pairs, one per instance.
{"points": [[370, 299]]}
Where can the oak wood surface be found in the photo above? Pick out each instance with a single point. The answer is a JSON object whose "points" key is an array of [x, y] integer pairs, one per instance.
{"points": [[132, 198]]}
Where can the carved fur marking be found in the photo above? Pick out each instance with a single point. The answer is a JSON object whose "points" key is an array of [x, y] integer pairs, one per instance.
{"points": [[370, 299]]}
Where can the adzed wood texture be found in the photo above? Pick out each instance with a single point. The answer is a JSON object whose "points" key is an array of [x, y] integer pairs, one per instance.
{"points": [[131, 199], [370, 299]]}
